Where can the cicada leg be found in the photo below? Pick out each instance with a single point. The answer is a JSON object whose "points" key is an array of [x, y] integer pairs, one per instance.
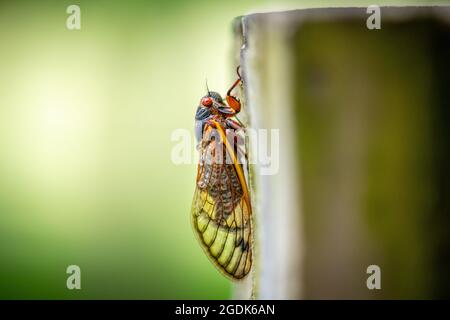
{"points": [[233, 101], [233, 124]]}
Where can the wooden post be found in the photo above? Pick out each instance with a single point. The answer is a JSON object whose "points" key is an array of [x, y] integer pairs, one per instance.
{"points": [[364, 151]]}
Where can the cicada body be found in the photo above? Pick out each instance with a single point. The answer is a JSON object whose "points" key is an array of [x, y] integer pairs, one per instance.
{"points": [[221, 208]]}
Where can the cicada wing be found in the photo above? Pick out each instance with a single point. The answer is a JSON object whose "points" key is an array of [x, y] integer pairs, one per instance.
{"points": [[221, 217]]}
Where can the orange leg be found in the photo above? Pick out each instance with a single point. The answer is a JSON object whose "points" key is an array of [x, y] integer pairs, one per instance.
{"points": [[233, 102]]}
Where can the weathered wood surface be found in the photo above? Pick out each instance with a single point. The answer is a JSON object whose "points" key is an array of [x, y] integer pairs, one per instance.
{"points": [[364, 178]]}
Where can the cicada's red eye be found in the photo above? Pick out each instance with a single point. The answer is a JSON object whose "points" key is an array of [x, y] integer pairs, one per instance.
{"points": [[207, 101]]}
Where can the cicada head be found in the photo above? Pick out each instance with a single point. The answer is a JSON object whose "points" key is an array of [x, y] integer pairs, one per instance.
{"points": [[214, 102], [211, 99], [210, 105], [207, 108]]}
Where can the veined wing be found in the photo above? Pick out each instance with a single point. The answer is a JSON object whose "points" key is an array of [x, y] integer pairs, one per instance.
{"points": [[221, 214]]}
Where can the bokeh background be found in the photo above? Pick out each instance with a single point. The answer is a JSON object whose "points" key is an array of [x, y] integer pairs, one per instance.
{"points": [[86, 118]]}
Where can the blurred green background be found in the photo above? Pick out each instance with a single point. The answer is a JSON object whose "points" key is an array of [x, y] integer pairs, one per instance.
{"points": [[86, 117]]}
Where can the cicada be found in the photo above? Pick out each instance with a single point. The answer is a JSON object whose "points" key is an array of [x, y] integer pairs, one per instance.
{"points": [[221, 208]]}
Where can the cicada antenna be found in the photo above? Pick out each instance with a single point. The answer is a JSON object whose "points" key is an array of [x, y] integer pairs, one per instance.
{"points": [[207, 88]]}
